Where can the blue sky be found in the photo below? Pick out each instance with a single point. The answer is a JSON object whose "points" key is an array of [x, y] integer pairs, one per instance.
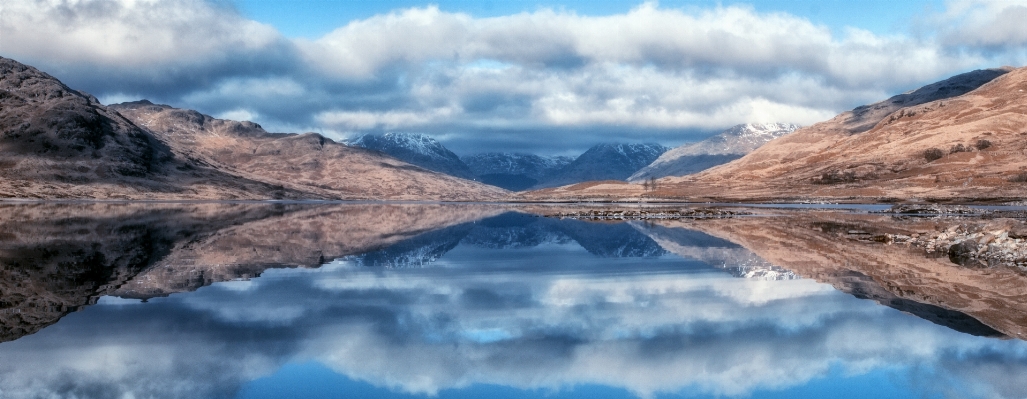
{"points": [[314, 18], [544, 77]]}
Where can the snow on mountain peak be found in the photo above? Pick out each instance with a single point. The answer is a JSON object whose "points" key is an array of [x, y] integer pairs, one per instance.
{"points": [[415, 148], [414, 142]]}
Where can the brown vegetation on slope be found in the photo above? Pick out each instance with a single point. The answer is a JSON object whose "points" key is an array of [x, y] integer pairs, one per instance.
{"points": [[56, 142]]}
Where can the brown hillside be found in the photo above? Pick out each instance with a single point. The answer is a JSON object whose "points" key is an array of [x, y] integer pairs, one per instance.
{"points": [[56, 142]]}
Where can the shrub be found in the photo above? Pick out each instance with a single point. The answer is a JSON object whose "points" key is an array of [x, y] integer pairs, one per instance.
{"points": [[836, 177], [1019, 178], [958, 148], [933, 154], [982, 144]]}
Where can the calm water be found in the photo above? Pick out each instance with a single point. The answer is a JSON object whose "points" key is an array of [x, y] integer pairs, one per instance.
{"points": [[416, 301]]}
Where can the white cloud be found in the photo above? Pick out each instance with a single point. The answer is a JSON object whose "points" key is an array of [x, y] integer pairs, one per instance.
{"points": [[366, 120], [361, 48], [984, 23], [129, 33], [238, 115]]}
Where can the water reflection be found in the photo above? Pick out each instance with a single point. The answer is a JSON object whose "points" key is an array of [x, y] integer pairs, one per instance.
{"points": [[441, 298], [516, 230], [818, 245]]}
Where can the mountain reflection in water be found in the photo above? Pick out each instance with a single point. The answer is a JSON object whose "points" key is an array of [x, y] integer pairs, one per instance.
{"points": [[439, 299]]}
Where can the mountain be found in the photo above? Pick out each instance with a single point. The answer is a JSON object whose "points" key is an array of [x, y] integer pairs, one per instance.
{"points": [[725, 147], [57, 142], [307, 162], [513, 171], [957, 140], [961, 138], [61, 143], [606, 162], [416, 149]]}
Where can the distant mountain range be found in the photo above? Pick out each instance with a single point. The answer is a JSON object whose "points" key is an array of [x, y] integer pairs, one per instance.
{"points": [[61, 143], [725, 147], [605, 162], [515, 230], [417, 149], [514, 171]]}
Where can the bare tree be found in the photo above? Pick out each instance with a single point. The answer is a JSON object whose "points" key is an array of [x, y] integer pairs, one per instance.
{"points": [[650, 184]]}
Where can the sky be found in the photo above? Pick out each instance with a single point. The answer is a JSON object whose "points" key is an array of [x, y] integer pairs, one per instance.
{"points": [[521, 76]]}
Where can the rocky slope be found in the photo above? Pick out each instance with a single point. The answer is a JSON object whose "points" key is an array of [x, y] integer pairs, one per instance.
{"points": [[513, 171], [416, 149], [722, 148], [606, 162], [962, 139], [308, 162]]}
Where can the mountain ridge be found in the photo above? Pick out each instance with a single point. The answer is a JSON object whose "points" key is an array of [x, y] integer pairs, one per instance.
{"points": [[58, 142], [416, 149], [607, 161], [514, 171]]}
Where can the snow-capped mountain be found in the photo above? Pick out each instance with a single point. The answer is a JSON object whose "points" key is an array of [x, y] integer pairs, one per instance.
{"points": [[417, 149], [513, 171], [606, 162], [725, 147]]}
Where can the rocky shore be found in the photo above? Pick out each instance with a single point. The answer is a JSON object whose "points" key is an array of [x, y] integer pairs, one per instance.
{"points": [[974, 246]]}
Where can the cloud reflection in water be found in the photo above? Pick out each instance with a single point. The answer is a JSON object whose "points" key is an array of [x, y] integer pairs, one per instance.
{"points": [[542, 312]]}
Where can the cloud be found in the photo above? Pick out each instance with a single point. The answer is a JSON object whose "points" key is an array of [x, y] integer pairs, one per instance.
{"points": [[139, 46], [365, 120], [538, 80], [990, 24]]}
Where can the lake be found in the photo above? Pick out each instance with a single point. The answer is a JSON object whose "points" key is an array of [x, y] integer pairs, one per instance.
{"points": [[306, 300]]}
